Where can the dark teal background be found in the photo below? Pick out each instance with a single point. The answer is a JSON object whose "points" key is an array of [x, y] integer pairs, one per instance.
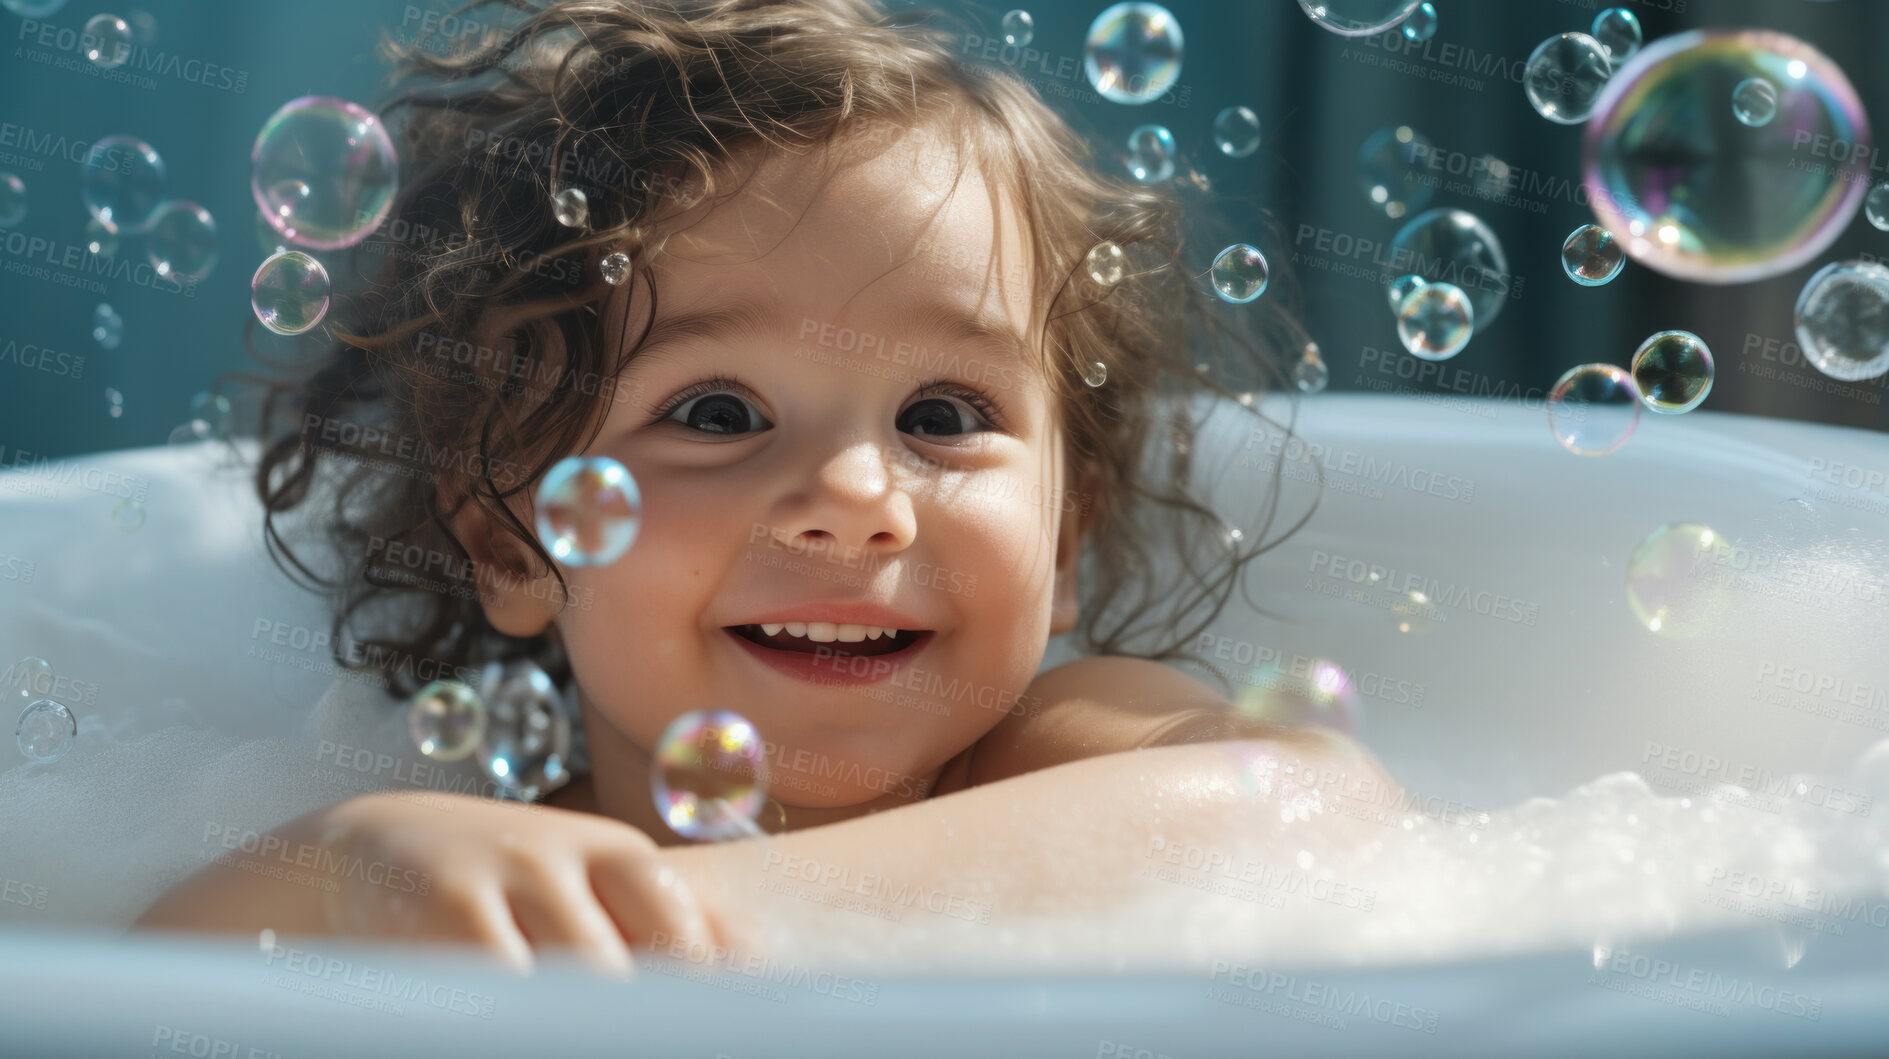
{"points": [[1316, 102]]}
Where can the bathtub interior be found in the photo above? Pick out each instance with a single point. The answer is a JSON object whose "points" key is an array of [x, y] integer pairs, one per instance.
{"points": [[1529, 678]]}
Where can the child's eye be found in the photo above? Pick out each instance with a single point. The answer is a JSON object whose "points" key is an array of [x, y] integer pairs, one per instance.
{"points": [[709, 408], [945, 410]]}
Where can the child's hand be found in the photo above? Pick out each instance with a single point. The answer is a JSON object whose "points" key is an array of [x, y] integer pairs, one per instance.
{"points": [[511, 878]]}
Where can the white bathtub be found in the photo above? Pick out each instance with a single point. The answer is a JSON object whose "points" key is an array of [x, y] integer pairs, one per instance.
{"points": [[1536, 679]]}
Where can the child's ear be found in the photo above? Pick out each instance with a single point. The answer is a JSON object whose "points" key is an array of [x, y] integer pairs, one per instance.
{"points": [[517, 589], [1077, 513]]}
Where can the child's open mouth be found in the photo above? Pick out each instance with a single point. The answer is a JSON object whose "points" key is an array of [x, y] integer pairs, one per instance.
{"points": [[830, 653]]}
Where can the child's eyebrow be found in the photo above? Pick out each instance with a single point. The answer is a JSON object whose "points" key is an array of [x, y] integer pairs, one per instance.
{"points": [[943, 321]]}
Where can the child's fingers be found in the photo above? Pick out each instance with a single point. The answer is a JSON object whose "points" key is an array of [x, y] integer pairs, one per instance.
{"points": [[480, 915], [647, 898], [560, 911]]}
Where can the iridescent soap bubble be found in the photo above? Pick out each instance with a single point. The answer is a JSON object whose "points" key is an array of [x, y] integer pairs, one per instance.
{"points": [[289, 292], [122, 182], [108, 328], [1843, 320], [1402, 287], [589, 510], [1133, 52], [106, 41], [1421, 25], [1106, 263], [101, 239], [1876, 206], [1151, 154], [1240, 274], [1591, 256], [323, 172], [1321, 693], [615, 268], [1019, 29], [182, 241], [447, 720], [31, 677], [1390, 170], [128, 515], [571, 207], [1564, 77], [1677, 585], [1094, 373], [1695, 193], [12, 200], [1754, 102], [710, 778], [1593, 409], [1436, 321], [1310, 374], [1673, 371], [1455, 246], [1358, 18], [1236, 131], [45, 731], [33, 8], [1618, 31], [526, 746]]}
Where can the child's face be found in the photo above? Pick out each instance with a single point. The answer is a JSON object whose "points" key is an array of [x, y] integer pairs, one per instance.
{"points": [[850, 465]]}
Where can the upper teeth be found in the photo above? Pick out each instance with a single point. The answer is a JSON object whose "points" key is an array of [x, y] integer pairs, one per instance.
{"points": [[827, 632]]}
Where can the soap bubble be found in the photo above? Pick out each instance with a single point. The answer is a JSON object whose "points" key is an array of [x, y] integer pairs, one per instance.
{"points": [[45, 731], [1843, 320], [33, 8], [12, 200], [1673, 587], [526, 746], [1618, 31], [1105, 264], [1455, 246], [1564, 77], [32, 677], [114, 403], [1673, 371], [1019, 29], [1390, 170], [1402, 287], [1358, 18], [122, 182], [1095, 373], [101, 239], [128, 515], [323, 172], [1133, 52], [1151, 154], [1754, 101], [1593, 409], [106, 41], [182, 243], [615, 268], [589, 510], [710, 777], [571, 207], [1310, 374], [1240, 274], [1591, 256], [1421, 25], [212, 411], [1698, 195], [108, 328], [447, 719], [1323, 695], [1436, 321], [289, 292], [1236, 130], [1876, 206]]}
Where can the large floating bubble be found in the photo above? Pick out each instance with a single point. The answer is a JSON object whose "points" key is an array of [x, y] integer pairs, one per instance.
{"points": [[1673, 370], [710, 775], [1454, 246], [1564, 77], [1390, 170], [122, 182], [1694, 192], [323, 172], [289, 292], [1358, 18], [1436, 321], [1675, 584], [1843, 320], [589, 511], [182, 241], [1594, 409], [1133, 52]]}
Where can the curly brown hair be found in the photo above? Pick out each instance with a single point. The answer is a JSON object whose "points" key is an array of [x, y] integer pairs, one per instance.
{"points": [[643, 104]]}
